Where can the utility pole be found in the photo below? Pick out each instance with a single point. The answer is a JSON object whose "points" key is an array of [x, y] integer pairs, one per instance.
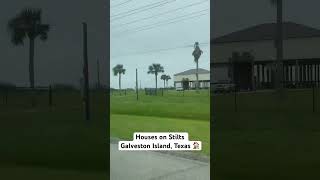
{"points": [[279, 46], [86, 72], [137, 88], [98, 74]]}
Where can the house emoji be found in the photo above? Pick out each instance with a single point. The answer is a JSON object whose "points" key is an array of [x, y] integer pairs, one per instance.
{"points": [[196, 145]]}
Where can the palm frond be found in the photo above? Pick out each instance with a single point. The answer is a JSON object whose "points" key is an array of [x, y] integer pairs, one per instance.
{"points": [[43, 31], [118, 69], [151, 70], [17, 37], [115, 71], [27, 23], [155, 69]]}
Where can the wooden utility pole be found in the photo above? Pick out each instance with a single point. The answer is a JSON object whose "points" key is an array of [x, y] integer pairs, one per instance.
{"points": [[86, 73], [137, 88]]}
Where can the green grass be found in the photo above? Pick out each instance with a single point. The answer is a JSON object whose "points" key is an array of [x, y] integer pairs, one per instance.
{"points": [[189, 105], [53, 141], [174, 111], [268, 138], [125, 125]]}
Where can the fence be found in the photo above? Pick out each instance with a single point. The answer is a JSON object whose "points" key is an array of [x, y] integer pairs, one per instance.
{"points": [[48, 97], [154, 91], [122, 92], [302, 97], [288, 84], [25, 95], [147, 91]]}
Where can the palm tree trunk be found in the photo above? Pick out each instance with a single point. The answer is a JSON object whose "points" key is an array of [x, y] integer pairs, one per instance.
{"points": [[31, 70], [164, 84], [167, 85], [197, 76], [119, 81], [156, 82], [279, 39], [31, 63]]}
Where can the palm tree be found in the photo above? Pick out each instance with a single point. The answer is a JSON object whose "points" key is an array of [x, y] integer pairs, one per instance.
{"points": [[164, 78], [197, 53], [27, 24], [118, 70], [155, 69], [167, 79], [279, 43]]}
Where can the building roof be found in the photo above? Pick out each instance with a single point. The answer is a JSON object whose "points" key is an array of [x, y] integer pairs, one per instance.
{"points": [[193, 71], [267, 32]]}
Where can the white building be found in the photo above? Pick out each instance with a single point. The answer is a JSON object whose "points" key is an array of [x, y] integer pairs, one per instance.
{"points": [[187, 79], [301, 48]]}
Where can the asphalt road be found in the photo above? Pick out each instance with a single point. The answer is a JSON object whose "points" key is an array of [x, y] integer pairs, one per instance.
{"points": [[147, 165]]}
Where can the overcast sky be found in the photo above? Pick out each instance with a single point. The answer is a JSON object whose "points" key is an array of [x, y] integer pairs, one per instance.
{"points": [[232, 15], [126, 46], [59, 59]]}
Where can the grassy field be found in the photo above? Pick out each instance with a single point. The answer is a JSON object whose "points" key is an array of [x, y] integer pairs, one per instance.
{"points": [[52, 143], [174, 111], [268, 138]]}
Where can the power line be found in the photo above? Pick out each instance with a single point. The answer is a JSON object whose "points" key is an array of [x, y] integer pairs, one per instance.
{"points": [[157, 15], [144, 8], [166, 21], [120, 4], [160, 50], [166, 24], [162, 23]]}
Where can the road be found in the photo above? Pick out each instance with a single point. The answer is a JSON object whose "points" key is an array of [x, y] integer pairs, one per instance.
{"points": [[147, 165]]}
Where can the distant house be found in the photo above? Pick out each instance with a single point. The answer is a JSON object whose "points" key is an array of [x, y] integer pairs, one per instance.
{"points": [[248, 57], [187, 79]]}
